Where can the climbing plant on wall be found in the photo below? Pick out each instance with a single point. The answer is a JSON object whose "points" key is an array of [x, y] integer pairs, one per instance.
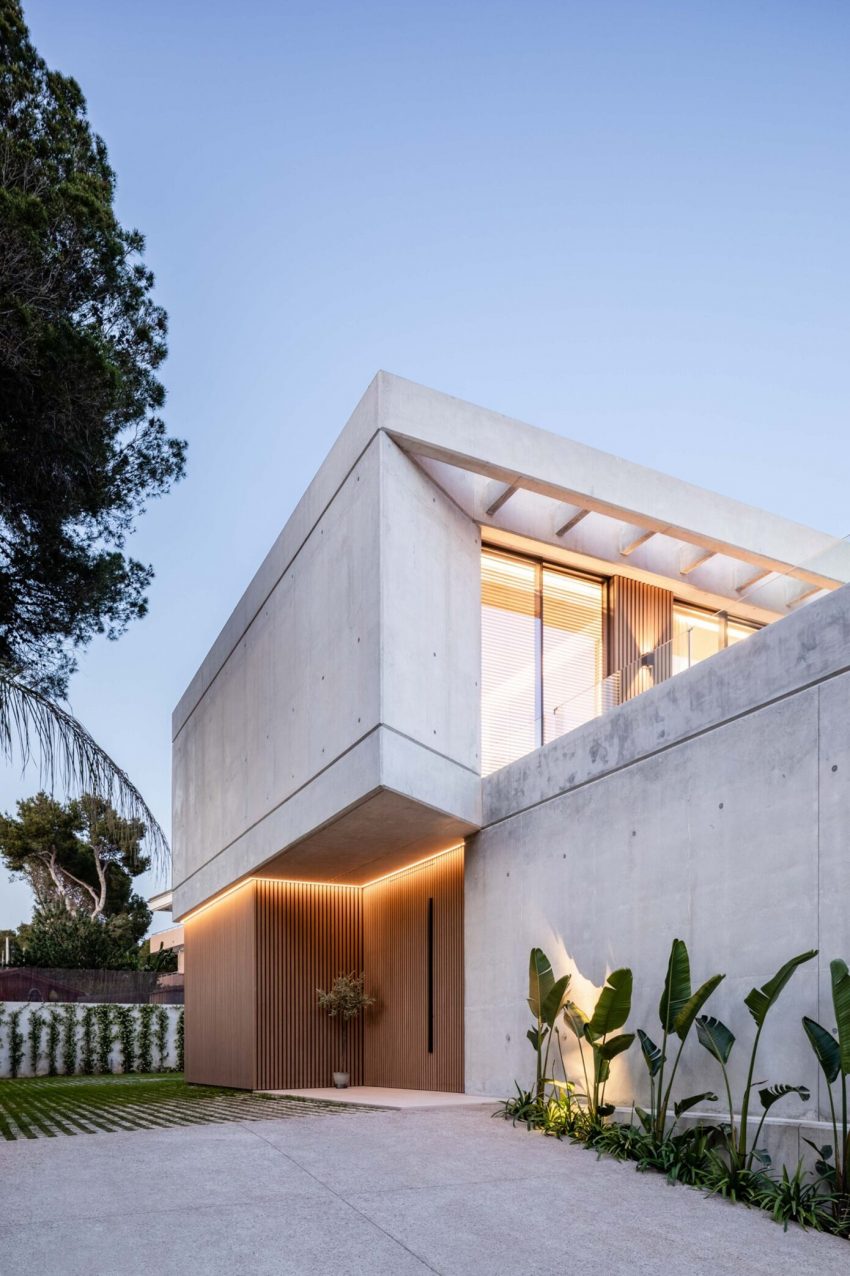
{"points": [[16, 1043], [180, 1040], [69, 1040], [126, 1034], [161, 1038], [144, 1043], [54, 1034], [105, 1037], [88, 1034], [34, 1034]]}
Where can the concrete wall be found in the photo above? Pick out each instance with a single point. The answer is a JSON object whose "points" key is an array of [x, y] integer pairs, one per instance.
{"points": [[350, 667], [430, 614], [300, 689], [715, 808]]}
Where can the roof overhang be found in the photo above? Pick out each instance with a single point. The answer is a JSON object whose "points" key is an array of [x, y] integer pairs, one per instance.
{"points": [[526, 486]]}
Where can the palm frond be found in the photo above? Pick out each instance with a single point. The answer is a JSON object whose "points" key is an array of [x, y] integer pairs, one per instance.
{"points": [[34, 727]]}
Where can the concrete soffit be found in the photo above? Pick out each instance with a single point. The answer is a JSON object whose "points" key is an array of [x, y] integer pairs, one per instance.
{"points": [[528, 488]]}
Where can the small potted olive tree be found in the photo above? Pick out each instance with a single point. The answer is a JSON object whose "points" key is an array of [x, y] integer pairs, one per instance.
{"points": [[345, 1001]]}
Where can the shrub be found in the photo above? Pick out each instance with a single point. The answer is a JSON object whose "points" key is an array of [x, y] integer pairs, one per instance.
{"points": [[792, 1200], [69, 1040], [67, 941], [724, 1159]]}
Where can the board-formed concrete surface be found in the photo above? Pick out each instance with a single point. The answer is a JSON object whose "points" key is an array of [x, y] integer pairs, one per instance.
{"points": [[447, 1191]]}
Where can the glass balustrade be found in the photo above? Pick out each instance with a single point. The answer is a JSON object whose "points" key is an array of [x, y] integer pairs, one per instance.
{"points": [[543, 644]]}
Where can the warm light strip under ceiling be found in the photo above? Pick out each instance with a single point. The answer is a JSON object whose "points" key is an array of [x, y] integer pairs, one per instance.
{"points": [[287, 881]]}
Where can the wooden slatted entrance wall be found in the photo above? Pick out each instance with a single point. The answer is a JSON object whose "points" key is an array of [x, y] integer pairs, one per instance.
{"points": [[306, 935], [396, 959], [255, 958], [221, 1003]]}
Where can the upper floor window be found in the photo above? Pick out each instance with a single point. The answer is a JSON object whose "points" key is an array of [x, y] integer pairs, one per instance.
{"points": [[698, 634], [542, 654]]}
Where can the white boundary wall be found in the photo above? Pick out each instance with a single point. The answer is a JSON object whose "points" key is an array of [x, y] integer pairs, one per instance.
{"points": [[28, 1008]]}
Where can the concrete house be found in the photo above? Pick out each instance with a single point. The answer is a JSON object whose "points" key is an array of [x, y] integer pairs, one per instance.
{"points": [[491, 689]]}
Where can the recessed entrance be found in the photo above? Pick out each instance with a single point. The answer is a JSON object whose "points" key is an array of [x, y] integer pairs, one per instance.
{"points": [[255, 959]]}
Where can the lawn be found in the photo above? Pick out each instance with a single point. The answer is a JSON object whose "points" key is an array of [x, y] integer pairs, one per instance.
{"points": [[43, 1107]]}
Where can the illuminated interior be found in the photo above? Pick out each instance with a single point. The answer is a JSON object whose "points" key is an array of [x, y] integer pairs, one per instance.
{"points": [[698, 634], [543, 653]]}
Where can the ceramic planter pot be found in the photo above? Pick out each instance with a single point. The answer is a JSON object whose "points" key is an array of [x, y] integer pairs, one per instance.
{"points": [[341, 1080]]}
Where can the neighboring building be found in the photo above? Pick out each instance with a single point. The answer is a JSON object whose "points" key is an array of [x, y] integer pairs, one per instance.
{"points": [[172, 936], [651, 680]]}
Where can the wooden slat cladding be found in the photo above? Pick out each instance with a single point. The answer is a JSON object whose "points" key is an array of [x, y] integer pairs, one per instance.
{"points": [[640, 619], [255, 959], [221, 1019], [395, 931], [306, 935]]}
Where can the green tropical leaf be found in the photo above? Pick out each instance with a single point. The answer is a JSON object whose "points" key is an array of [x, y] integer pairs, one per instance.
{"points": [[759, 1000], [841, 1001], [651, 1053], [575, 1018], [685, 1105], [677, 985], [771, 1093], [536, 1037], [554, 1000], [716, 1037], [612, 1008], [615, 1045], [684, 1019], [825, 1047], [540, 980], [644, 1118], [824, 1152]]}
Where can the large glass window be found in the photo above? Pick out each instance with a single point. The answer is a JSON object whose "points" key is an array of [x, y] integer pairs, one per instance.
{"points": [[698, 634], [510, 665], [542, 665], [572, 651], [541, 655]]}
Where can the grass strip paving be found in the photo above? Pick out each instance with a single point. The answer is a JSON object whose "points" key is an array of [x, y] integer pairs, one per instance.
{"points": [[44, 1107]]}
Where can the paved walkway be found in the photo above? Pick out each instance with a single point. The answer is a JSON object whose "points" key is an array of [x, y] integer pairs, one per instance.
{"points": [[448, 1191], [381, 1096]]}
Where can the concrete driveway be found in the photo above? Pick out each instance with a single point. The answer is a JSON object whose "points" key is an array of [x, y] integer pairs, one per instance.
{"points": [[447, 1191]]}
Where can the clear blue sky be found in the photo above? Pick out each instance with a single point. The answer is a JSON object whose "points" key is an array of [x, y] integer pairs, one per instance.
{"points": [[626, 222]]}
